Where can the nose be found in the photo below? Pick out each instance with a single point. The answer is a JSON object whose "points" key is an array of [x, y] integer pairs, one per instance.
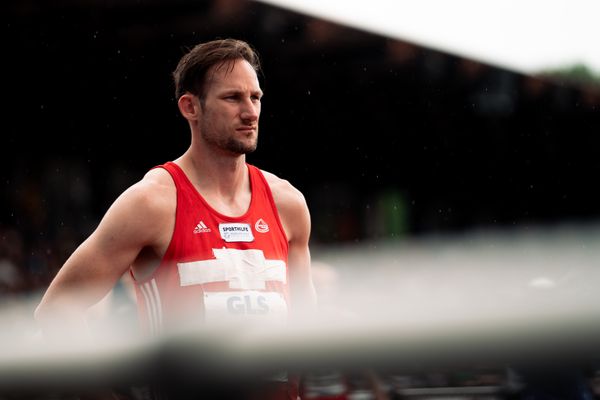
{"points": [[250, 111]]}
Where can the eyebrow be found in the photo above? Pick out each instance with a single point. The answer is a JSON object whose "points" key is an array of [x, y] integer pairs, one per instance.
{"points": [[238, 91]]}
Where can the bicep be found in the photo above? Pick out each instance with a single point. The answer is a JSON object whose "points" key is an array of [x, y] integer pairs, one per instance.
{"points": [[91, 271], [302, 288], [295, 218], [98, 263]]}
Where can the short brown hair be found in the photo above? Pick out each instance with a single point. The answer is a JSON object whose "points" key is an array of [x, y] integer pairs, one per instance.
{"points": [[190, 74]]}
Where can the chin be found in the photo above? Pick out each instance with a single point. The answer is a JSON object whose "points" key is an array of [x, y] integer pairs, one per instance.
{"points": [[249, 149], [240, 148]]}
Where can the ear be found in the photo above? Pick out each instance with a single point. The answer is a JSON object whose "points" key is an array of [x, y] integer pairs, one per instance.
{"points": [[189, 106]]}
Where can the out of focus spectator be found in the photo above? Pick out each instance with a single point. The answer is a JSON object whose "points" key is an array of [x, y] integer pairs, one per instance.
{"points": [[12, 279]]}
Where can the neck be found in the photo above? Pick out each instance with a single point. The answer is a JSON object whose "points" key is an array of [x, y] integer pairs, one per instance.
{"points": [[224, 175]]}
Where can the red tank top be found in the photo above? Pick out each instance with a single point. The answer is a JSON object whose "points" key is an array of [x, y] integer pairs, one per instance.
{"points": [[216, 267]]}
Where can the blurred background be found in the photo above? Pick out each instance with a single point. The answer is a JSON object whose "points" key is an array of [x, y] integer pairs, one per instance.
{"points": [[385, 139], [389, 141]]}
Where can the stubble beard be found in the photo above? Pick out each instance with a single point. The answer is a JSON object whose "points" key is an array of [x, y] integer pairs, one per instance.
{"points": [[228, 144], [239, 147]]}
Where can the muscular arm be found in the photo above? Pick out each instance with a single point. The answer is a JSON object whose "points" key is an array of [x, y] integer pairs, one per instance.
{"points": [[295, 218], [301, 284], [132, 223]]}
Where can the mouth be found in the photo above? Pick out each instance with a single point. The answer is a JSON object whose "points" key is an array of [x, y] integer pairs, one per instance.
{"points": [[246, 129]]}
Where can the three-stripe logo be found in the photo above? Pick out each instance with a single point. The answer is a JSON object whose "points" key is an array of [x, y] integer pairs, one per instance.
{"points": [[201, 228]]}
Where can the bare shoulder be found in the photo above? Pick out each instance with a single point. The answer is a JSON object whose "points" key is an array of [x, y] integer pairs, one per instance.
{"points": [[153, 192], [284, 193], [292, 208], [157, 183], [151, 201]]}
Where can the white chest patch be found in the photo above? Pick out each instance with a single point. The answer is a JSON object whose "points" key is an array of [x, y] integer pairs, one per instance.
{"points": [[247, 306], [242, 269], [236, 232]]}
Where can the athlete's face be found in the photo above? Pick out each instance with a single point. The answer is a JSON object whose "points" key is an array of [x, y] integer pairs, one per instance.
{"points": [[231, 108]]}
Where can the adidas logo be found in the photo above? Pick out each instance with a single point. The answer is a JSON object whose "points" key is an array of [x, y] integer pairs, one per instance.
{"points": [[201, 228]]}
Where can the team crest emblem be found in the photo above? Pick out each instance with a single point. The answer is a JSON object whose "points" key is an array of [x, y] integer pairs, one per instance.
{"points": [[261, 226]]}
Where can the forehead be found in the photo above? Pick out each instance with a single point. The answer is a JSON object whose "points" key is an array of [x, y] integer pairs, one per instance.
{"points": [[237, 74]]}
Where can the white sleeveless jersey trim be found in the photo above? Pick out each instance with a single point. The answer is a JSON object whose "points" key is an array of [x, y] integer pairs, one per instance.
{"points": [[153, 306]]}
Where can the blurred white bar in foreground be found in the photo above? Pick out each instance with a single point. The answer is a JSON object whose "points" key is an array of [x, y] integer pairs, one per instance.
{"points": [[497, 297]]}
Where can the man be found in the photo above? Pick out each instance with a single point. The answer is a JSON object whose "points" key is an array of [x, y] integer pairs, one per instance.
{"points": [[206, 237]]}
